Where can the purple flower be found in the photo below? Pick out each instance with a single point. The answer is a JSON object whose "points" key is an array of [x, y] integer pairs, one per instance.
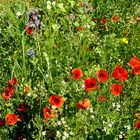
{"points": [[30, 52]]}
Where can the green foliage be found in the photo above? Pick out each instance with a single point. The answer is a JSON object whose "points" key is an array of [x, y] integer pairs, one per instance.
{"points": [[69, 36]]}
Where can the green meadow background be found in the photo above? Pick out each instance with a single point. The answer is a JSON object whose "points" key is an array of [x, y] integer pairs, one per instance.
{"points": [[59, 46]]}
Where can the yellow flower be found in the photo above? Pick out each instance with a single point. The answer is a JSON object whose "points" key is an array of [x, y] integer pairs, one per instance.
{"points": [[125, 40]]}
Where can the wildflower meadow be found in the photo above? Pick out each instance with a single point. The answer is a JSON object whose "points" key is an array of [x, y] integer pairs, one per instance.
{"points": [[69, 70]]}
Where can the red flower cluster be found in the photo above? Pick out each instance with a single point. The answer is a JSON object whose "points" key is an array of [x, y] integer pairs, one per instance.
{"points": [[120, 73], [113, 18], [135, 64], [56, 101], [9, 90], [22, 111], [90, 83]]}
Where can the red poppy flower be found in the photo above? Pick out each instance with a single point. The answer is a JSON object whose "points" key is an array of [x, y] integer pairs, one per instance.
{"points": [[115, 18], [84, 104], [102, 99], [8, 93], [13, 81], [80, 28], [120, 73], [81, 4], [116, 89], [102, 76], [10, 88], [103, 21], [90, 84], [77, 73], [136, 70], [49, 113], [22, 108], [6, 96], [11, 119], [29, 30], [137, 125], [134, 61], [2, 123], [56, 101], [22, 118]]}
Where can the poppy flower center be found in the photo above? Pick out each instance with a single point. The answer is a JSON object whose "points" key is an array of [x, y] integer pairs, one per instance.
{"points": [[11, 119], [92, 84], [49, 111], [57, 100], [76, 74], [119, 70], [116, 89], [136, 69], [101, 75], [7, 94]]}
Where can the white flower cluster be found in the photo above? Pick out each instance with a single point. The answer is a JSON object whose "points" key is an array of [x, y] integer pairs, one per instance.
{"points": [[118, 107], [107, 126], [91, 111], [121, 134], [50, 4], [18, 14], [128, 127], [110, 124], [43, 133], [67, 130], [63, 82]]}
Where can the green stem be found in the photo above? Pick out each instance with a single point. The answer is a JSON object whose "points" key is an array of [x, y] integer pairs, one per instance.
{"points": [[23, 54]]}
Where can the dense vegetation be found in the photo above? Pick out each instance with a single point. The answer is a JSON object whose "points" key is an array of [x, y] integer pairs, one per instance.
{"points": [[69, 69]]}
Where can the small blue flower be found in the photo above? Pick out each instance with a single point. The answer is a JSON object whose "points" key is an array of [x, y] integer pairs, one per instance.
{"points": [[30, 52]]}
